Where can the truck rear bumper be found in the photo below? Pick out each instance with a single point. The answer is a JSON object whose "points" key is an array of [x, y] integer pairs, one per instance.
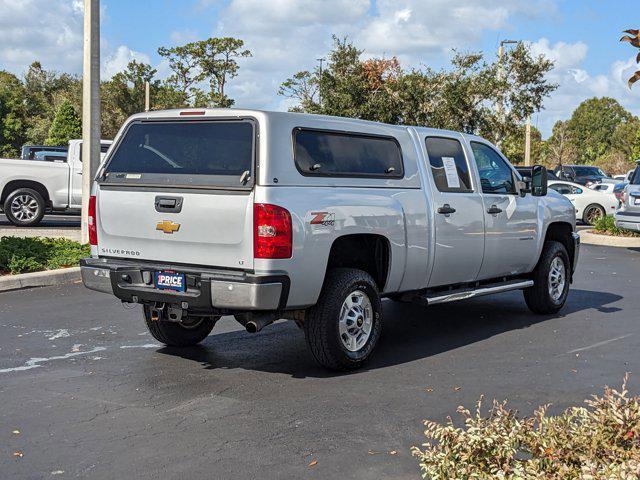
{"points": [[628, 220], [206, 289]]}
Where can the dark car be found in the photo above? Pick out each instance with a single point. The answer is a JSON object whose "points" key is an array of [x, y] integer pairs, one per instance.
{"points": [[29, 151], [582, 174], [526, 172]]}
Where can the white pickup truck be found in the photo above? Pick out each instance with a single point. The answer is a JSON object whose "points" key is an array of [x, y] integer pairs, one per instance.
{"points": [[196, 214], [29, 189]]}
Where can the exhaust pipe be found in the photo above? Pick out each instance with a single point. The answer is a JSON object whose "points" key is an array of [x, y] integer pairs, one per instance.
{"points": [[257, 322]]}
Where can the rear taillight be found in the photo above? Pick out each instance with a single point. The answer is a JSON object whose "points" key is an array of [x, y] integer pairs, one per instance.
{"points": [[272, 237], [93, 228]]}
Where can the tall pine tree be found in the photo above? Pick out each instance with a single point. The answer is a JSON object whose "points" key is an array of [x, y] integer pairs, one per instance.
{"points": [[66, 125]]}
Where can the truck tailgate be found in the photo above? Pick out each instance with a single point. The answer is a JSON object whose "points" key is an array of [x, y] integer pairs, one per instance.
{"points": [[211, 229]]}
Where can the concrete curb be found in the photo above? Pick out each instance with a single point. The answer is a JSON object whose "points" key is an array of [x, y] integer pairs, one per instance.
{"points": [[588, 237], [39, 279]]}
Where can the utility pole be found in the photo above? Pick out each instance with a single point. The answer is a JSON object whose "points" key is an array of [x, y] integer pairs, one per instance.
{"points": [[527, 143], [321, 60], [90, 106], [146, 96], [501, 72]]}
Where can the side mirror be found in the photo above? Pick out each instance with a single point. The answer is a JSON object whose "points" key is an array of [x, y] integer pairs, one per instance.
{"points": [[539, 181]]}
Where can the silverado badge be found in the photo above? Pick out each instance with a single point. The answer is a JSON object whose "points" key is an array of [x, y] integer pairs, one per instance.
{"points": [[167, 226]]}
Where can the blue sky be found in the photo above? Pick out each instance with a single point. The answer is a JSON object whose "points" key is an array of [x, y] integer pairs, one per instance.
{"points": [[288, 35]]}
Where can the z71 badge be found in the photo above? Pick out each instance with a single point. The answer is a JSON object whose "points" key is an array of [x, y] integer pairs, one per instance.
{"points": [[328, 219]]}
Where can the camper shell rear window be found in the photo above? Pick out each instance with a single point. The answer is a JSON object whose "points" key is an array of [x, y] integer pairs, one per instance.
{"points": [[180, 153]]}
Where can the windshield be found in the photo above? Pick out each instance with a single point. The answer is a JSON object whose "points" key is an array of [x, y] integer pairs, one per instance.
{"points": [[589, 172], [635, 177], [187, 153]]}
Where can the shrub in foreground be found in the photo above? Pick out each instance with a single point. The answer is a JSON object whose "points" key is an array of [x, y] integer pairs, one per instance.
{"points": [[606, 226], [20, 255], [598, 441]]}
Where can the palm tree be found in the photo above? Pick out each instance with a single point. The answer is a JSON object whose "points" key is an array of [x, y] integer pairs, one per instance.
{"points": [[633, 38]]}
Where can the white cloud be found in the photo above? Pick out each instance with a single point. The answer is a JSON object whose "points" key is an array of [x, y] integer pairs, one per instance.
{"points": [[564, 55], [46, 30], [286, 36], [119, 59], [576, 84]]}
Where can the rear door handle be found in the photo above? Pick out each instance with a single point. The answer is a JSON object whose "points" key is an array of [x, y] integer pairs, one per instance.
{"points": [[168, 204], [446, 209], [493, 210]]}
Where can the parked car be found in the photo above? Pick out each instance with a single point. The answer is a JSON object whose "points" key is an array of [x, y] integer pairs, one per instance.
{"points": [[582, 174], [197, 214], [628, 215], [29, 151], [525, 172], [618, 190], [590, 204], [31, 189]]}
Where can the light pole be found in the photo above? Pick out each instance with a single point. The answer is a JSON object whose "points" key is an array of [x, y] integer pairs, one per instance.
{"points": [[501, 72], [147, 99], [90, 106], [321, 60]]}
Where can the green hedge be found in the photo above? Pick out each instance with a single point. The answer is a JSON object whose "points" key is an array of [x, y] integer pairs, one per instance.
{"points": [[606, 226], [21, 255]]}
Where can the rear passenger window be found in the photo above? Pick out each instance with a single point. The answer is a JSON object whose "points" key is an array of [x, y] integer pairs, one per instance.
{"points": [[325, 153], [448, 164]]}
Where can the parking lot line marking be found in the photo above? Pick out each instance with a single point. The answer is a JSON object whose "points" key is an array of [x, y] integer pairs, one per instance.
{"points": [[599, 344], [35, 362]]}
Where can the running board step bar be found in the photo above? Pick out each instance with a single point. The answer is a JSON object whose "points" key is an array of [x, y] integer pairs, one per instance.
{"points": [[433, 298]]}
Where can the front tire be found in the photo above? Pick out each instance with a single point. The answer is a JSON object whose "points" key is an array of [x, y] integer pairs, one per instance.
{"points": [[551, 280], [24, 207], [186, 334], [343, 328]]}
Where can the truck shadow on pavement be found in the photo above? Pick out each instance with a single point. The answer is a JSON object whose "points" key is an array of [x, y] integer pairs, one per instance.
{"points": [[411, 332]]}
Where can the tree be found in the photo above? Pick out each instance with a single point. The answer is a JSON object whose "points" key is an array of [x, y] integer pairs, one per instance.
{"points": [[633, 38], [463, 97], [593, 125], [560, 149], [513, 146], [213, 60], [66, 125], [626, 140], [123, 95], [218, 64], [45, 90], [12, 115]]}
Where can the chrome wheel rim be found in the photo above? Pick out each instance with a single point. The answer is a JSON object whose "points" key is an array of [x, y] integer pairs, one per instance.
{"points": [[557, 278], [356, 321], [593, 214], [24, 207]]}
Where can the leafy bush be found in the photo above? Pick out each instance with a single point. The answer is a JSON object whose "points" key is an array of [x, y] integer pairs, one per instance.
{"points": [[599, 441], [606, 226], [19, 255]]}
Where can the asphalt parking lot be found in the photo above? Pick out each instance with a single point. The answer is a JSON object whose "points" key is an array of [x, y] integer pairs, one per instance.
{"points": [[92, 395], [67, 226]]}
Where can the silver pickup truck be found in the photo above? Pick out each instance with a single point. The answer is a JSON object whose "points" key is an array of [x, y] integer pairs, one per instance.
{"points": [[628, 215], [30, 188], [197, 214]]}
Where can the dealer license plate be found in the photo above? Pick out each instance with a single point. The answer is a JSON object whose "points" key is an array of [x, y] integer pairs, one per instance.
{"points": [[167, 280]]}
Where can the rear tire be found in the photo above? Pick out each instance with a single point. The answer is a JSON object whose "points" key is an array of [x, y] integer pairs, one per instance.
{"points": [[592, 213], [176, 334], [343, 328], [551, 280], [24, 207]]}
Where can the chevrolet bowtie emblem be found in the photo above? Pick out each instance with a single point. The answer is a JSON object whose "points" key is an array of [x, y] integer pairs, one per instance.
{"points": [[167, 226]]}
